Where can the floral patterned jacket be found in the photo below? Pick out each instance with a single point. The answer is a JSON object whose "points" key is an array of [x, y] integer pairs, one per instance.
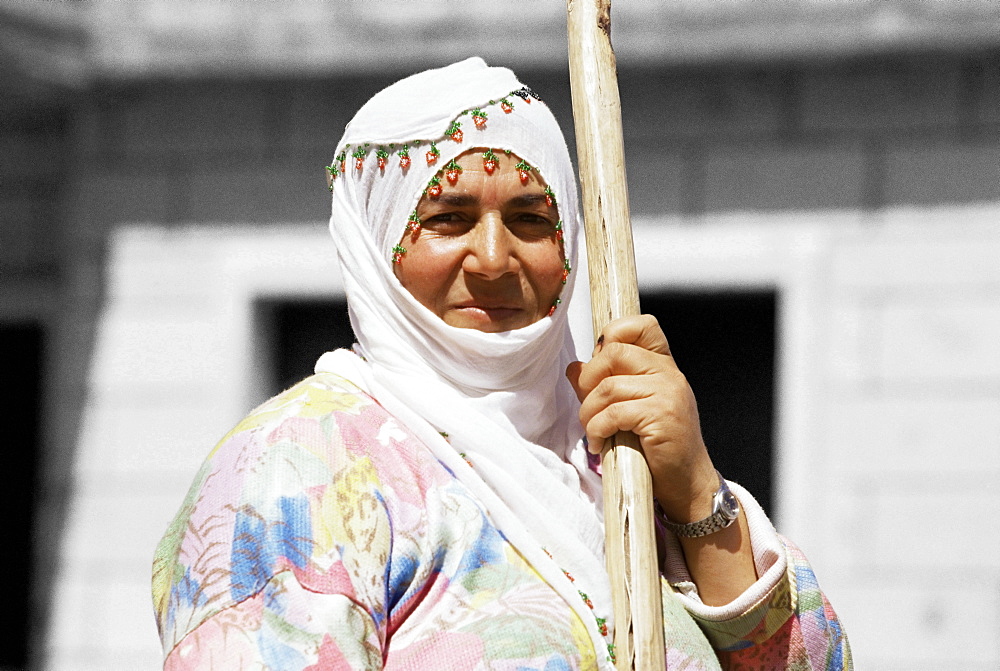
{"points": [[320, 534]]}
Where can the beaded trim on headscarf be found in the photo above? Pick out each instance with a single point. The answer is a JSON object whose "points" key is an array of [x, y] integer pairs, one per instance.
{"points": [[451, 170], [454, 131]]}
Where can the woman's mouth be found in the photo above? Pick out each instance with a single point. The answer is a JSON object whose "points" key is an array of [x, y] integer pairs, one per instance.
{"points": [[488, 312]]}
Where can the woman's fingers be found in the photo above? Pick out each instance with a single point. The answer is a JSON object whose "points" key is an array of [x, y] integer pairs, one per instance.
{"points": [[613, 390], [631, 361], [643, 331], [633, 384], [624, 347], [671, 441], [603, 411], [617, 358], [652, 406]]}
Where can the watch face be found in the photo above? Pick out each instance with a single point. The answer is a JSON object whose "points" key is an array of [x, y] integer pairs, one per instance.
{"points": [[730, 505]]}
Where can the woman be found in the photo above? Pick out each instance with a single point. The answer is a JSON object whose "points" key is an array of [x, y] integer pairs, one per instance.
{"points": [[427, 500]]}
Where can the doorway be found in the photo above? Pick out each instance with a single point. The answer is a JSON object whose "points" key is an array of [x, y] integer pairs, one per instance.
{"points": [[724, 343], [22, 346]]}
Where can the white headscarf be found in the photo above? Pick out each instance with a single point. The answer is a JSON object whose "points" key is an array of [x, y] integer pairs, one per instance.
{"points": [[502, 398]]}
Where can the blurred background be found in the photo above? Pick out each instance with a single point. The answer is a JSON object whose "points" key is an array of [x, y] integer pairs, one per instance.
{"points": [[815, 188]]}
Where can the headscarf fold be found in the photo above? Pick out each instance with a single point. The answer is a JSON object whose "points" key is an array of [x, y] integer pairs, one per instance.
{"points": [[501, 398]]}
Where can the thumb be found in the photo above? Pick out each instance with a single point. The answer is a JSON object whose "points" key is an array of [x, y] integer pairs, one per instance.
{"points": [[573, 375]]}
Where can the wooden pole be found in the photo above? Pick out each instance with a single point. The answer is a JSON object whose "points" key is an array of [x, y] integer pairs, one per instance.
{"points": [[630, 542]]}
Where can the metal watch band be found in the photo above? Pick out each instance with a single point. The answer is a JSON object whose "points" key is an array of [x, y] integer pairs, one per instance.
{"points": [[725, 511]]}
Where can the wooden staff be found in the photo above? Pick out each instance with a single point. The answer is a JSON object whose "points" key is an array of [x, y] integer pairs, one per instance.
{"points": [[630, 541]]}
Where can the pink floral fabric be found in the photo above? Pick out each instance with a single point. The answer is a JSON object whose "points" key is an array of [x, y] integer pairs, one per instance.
{"points": [[320, 534]]}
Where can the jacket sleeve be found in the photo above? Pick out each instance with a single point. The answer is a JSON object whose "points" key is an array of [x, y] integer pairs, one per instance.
{"points": [[284, 626], [782, 621], [277, 559]]}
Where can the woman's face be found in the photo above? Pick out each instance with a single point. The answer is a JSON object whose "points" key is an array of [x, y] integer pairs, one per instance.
{"points": [[486, 255]]}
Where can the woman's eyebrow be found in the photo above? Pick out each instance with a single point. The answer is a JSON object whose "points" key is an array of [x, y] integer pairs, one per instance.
{"points": [[455, 199], [526, 200], [465, 199]]}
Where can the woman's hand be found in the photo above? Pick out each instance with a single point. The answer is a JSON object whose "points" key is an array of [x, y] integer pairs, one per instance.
{"points": [[633, 384]]}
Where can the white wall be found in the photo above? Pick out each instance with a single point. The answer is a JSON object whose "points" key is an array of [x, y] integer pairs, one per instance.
{"points": [[888, 411], [172, 372]]}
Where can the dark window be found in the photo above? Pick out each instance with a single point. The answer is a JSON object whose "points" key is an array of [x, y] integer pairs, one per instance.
{"points": [[296, 332], [724, 343], [21, 346]]}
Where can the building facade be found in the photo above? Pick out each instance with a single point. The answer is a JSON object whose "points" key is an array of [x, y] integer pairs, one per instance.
{"points": [[845, 162]]}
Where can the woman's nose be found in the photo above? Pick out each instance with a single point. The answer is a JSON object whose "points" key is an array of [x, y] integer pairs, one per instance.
{"points": [[491, 253]]}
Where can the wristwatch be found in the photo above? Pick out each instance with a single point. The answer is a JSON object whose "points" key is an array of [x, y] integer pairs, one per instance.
{"points": [[725, 510]]}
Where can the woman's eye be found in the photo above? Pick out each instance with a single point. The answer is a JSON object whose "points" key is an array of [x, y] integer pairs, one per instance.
{"points": [[440, 217], [533, 218], [528, 223], [445, 222]]}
